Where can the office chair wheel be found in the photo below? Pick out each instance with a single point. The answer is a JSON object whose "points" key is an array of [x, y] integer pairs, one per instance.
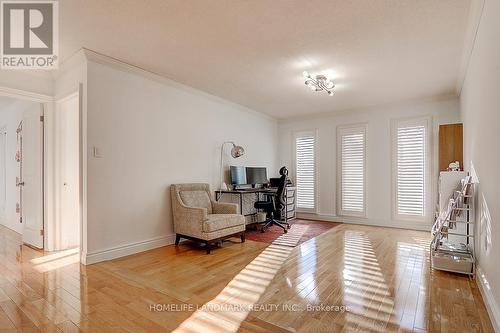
{"points": [[285, 231]]}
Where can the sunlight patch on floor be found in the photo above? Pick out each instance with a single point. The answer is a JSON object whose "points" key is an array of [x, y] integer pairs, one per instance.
{"points": [[226, 312], [56, 260], [366, 292]]}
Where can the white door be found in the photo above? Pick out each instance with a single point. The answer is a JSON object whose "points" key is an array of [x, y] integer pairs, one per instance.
{"points": [[32, 205], [69, 173]]}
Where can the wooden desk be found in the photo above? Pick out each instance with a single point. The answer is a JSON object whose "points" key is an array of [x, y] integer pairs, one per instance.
{"points": [[246, 198]]}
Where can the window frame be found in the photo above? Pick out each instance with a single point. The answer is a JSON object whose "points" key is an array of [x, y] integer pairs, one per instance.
{"points": [[342, 130], [295, 136], [426, 121]]}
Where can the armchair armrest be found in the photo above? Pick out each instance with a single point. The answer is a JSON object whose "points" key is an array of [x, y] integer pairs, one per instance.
{"points": [[194, 213], [189, 220], [224, 208]]}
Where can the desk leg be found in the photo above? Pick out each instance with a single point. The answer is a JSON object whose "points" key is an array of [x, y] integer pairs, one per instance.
{"points": [[241, 203]]}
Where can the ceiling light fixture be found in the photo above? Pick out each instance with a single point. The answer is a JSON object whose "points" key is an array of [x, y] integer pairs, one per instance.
{"points": [[319, 83]]}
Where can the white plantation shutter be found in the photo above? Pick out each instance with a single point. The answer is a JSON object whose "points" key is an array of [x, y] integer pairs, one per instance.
{"points": [[305, 171], [411, 162], [351, 161]]}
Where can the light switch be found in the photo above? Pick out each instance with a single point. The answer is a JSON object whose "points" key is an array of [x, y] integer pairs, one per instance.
{"points": [[97, 152]]}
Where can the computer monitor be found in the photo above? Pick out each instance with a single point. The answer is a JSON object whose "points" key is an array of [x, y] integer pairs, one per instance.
{"points": [[238, 175], [256, 175]]}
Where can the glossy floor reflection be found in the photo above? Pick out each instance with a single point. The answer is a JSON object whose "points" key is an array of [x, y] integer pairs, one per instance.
{"points": [[226, 312], [382, 275]]}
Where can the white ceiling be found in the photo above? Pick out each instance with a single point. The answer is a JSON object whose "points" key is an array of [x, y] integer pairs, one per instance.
{"points": [[254, 52]]}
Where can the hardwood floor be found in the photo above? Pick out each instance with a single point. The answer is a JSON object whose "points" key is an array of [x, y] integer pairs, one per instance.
{"points": [[381, 275]]}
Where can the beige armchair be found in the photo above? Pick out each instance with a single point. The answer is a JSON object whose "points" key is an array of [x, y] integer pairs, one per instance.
{"points": [[198, 217]]}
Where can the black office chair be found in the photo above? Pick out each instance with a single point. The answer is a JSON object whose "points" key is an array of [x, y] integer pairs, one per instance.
{"points": [[275, 203]]}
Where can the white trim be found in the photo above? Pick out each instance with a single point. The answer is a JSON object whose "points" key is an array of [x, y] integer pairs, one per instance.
{"points": [[66, 97], [83, 172], [349, 129], [409, 225], [428, 191], [314, 134], [129, 249], [368, 110], [25, 95], [102, 59], [488, 298], [473, 22]]}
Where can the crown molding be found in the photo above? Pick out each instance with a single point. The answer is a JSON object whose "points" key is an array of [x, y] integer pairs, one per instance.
{"points": [[366, 109], [473, 22], [69, 63], [25, 95], [102, 59]]}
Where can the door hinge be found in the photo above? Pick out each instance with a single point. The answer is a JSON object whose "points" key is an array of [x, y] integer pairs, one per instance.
{"points": [[41, 232], [42, 118]]}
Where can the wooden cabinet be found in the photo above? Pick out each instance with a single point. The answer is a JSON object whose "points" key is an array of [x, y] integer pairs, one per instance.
{"points": [[450, 145]]}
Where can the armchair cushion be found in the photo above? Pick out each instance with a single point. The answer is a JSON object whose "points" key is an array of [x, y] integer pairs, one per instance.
{"points": [[217, 222], [198, 199]]}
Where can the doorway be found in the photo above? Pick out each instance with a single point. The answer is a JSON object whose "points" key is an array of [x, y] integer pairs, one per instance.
{"points": [[21, 169], [51, 139]]}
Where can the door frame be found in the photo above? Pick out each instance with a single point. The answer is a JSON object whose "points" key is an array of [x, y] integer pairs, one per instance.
{"points": [[48, 197], [57, 188]]}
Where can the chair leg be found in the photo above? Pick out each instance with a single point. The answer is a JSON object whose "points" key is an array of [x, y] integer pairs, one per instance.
{"points": [[266, 226], [242, 237], [272, 222], [281, 226], [207, 245], [177, 239]]}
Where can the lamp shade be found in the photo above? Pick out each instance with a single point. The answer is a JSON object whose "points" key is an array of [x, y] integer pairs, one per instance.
{"points": [[237, 151]]}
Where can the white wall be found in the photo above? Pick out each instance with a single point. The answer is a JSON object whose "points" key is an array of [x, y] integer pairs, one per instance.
{"points": [[480, 108], [10, 118], [378, 139], [153, 133]]}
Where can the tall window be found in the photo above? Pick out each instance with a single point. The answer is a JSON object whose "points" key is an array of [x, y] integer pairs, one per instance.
{"points": [[351, 170], [411, 160], [305, 170]]}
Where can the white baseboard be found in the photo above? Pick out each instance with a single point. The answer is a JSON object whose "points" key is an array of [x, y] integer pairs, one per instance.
{"points": [[129, 249], [366, 221], [489, 299]]}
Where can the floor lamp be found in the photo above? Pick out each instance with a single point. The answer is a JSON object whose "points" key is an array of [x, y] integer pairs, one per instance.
{"points": [[236, 151]]}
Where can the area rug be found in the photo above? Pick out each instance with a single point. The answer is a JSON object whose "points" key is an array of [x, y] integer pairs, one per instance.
{"points": [[307, 229]]}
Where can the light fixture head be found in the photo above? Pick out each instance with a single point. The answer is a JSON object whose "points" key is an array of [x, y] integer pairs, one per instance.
{"points": [[319, 83], [237, 151], [320, 77]]}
